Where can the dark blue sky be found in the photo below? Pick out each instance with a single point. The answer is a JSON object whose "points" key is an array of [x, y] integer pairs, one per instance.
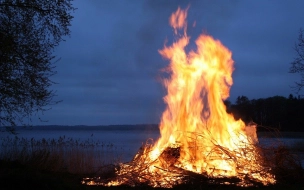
{"points": [[110, 66]]}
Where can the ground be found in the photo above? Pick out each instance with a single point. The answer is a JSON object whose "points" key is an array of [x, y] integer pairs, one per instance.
{"points": [[14, 175]]}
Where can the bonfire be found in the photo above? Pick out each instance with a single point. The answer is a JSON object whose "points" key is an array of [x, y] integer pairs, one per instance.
{"points": [[198, 138]]}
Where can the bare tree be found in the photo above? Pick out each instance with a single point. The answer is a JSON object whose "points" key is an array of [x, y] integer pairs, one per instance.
{"points": [[29, 32], [297, 66]]}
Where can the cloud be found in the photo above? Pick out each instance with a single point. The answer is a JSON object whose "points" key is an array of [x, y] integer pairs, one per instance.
{"points": [[110, 68]]}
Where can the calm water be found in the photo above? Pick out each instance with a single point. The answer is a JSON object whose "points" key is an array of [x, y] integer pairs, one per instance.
{"points": [[126, 139]]}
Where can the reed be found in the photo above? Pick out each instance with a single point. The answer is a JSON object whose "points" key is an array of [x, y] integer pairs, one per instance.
{"points": [[60, 155]]}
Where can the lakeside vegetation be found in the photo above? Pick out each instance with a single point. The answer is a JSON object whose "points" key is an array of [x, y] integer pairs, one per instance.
{"points": [[62, 163], [53, 163], [281, 113], [59, 155]]}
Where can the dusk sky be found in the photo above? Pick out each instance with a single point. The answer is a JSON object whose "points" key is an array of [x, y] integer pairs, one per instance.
{"points": [[110, 68]]}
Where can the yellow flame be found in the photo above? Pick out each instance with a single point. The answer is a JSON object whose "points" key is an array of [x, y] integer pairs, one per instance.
{"points": [[197, 134], [195, 118]]}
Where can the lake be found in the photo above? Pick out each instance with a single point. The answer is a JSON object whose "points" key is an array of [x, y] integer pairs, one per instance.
{"points": [[125, 139]]}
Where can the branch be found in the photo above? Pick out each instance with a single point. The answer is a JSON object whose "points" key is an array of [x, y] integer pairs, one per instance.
{"points": [[25, 5]]}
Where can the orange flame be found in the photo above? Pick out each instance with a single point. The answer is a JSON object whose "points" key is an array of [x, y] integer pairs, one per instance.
{"points": [[197, 134], [196, 119], [178, 20]]}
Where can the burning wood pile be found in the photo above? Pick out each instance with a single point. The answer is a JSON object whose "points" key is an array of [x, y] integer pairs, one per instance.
{"points": [[199, 140], [168, 171]]}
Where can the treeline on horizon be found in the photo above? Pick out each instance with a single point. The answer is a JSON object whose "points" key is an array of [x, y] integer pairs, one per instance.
{"points": [[278, 112]]}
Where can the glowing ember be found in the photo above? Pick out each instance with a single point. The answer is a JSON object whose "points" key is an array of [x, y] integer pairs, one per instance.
{"points": [[197, 134]]}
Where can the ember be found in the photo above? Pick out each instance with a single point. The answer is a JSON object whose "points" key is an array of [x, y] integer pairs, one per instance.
{"points": [[198, 136]]}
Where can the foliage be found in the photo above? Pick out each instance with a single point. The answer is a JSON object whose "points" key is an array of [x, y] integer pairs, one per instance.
{"points": [[297, 66], [29, 32], [282, 113]]}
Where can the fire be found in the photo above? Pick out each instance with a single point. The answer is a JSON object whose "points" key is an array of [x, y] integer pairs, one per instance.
{"points": [[197, 134], [196, 115]]}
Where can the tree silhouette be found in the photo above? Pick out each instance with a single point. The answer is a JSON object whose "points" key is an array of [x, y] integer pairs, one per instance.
{"points": [[285, 114], [242, 109], [297, 66], [29, 32]]}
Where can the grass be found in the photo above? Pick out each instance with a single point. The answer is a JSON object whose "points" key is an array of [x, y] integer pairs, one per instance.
{"points": [[62, 163], [53, 163], [60, 155]]}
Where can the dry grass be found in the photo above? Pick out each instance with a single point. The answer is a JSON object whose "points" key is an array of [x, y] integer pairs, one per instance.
{"points": [[60, 155]]}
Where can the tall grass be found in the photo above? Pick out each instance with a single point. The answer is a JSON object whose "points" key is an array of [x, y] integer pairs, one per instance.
{"points": [[60, 155]]}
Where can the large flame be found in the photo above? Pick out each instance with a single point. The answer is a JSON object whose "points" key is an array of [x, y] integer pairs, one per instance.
{"points": [[197, 134], [200, 81], [196, 119]]}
